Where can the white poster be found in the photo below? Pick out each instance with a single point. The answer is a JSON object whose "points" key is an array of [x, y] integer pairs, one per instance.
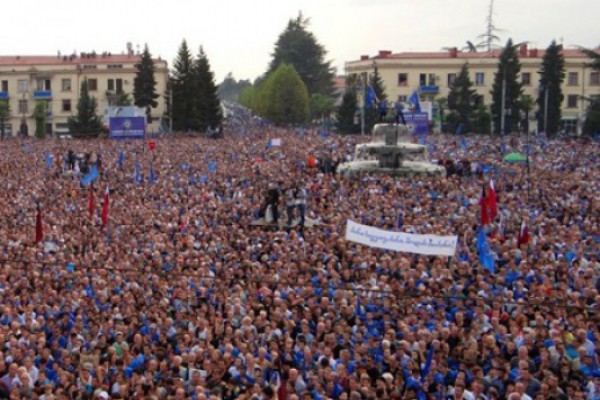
{"points": [[433, 245], [276, 142]]}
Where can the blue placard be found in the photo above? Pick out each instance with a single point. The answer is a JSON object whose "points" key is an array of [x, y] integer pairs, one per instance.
{"points": [[417, 123], [127, 127]]}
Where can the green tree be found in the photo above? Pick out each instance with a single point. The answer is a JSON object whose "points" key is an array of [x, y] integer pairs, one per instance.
{"points": [[182, 87], [39, 115], [299, 47], [283, 97], [123, 100], [462, 98], [527, 103], [372, 113], [321, 106], [482, 120], [249, 97], [552, 75], [229, 89], [509, 68], [346, 112], [591, 126], [594, 56], [207, 107], [4, 116], [86, 123], [144, 84]]}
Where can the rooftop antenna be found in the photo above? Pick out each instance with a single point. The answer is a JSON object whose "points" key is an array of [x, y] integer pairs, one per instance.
{"points": [[489, 37]]}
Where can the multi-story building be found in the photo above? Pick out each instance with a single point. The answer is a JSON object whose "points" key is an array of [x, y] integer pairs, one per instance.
{"points": [[432, 74], [56, 80]]}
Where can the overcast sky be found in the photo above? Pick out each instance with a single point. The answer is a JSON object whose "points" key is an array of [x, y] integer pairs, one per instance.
{"points": [[239, 35]]}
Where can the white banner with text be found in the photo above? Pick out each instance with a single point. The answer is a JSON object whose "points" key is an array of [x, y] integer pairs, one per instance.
{"points": [[433, 245]]}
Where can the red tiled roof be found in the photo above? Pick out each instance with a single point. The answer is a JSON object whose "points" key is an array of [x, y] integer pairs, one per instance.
{"points": [[531, 53], [69, 59]]}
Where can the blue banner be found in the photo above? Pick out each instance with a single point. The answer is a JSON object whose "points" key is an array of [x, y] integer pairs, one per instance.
{"points": [[417, 123], [127, 127]]}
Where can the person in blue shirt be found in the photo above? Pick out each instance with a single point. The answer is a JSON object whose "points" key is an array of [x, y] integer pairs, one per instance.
{"points": [[399, 109]]}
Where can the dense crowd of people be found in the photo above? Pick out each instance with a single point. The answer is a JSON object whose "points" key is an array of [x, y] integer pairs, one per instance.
{"points": [[179, 296]]}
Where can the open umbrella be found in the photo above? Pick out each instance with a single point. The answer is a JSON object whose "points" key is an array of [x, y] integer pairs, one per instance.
{"points": [[515, 157]]}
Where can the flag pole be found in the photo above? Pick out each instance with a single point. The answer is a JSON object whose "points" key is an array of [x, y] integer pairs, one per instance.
{"points": [[362, 108]]}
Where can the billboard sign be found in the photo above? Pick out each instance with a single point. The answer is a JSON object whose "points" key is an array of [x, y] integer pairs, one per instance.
{"points": [[127, 127], [417, 123]]}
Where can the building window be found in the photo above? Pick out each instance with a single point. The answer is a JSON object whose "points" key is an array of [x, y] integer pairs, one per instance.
{"points": [[115, 66], [43, 84], [422, 79], [479, 78], [402, 79], [451, 79], [595, 78], [526, 78], [66, 85], [66, 105], [573, 79], [110, 85], [23, 109], [402, 99], [22, 86], [572, 101], [4, 86], [89, 66], [92, 84]]}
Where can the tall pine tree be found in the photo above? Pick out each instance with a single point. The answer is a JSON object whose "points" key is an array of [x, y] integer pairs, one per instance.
{"points": [[552, 76], [299, 47], [86, 123], [347, 112], [462, 99], [144, 84], [372, 112], [509, 68], [207, 107], [182, 87]]}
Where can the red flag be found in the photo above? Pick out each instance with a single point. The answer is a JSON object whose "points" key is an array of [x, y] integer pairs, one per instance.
{"points": [[523, 235], [485, 213], [91, 202], [492, 201], [39, 228], [105, 209]]}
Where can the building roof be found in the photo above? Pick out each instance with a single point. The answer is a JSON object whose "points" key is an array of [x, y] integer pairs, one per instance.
{"points": [[450, 53], [72, 59]]}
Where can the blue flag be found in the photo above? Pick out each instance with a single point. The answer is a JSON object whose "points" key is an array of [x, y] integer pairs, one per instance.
{"points": [[152, 178], [463, 143], [138, 176], [90, 176], [121, 159], [212, 167], [414, 99], [423, 140], [486, 259], [269, 145], [370, 97], [49, 159], [427, 367]]}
